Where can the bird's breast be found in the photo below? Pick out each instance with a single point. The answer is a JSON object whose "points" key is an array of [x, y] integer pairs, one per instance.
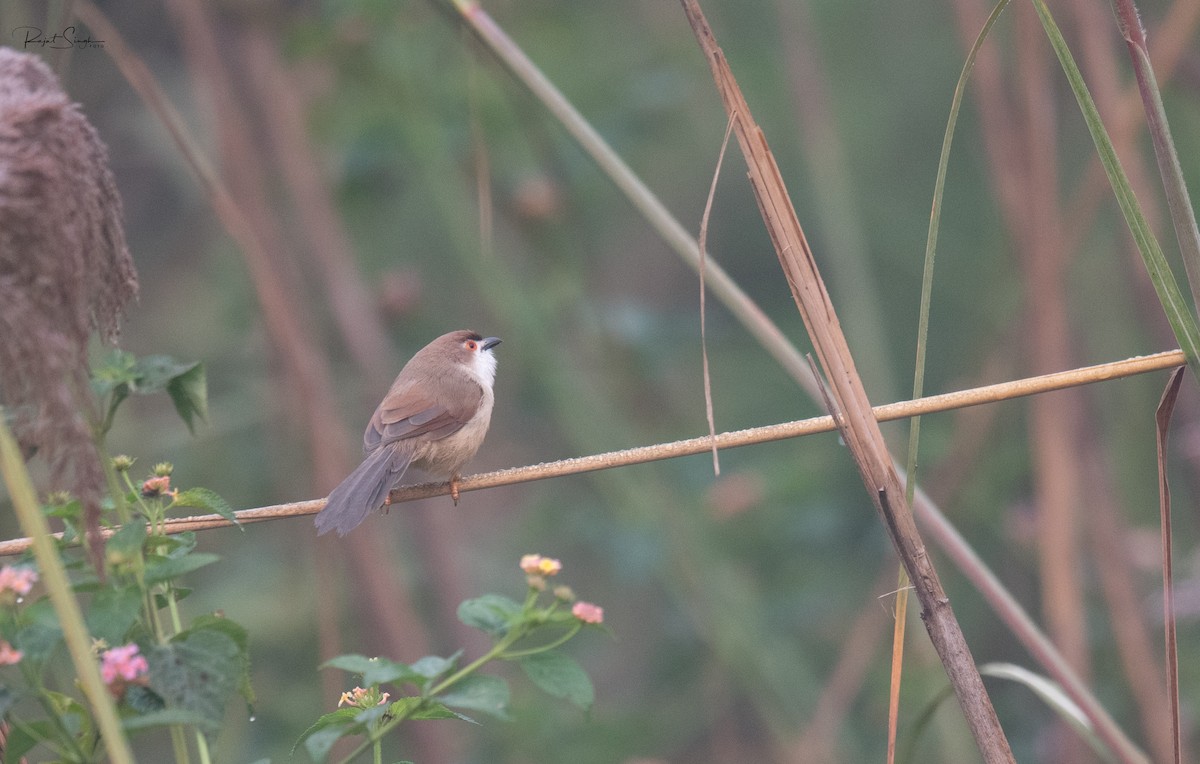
{"points": [[447, 455]]}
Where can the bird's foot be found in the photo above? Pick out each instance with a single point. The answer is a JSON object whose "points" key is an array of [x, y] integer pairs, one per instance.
{"points": [[454, 488], [387, 504]]}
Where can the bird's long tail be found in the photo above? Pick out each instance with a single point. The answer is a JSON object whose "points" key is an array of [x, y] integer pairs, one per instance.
{"points": [[363, 491]]}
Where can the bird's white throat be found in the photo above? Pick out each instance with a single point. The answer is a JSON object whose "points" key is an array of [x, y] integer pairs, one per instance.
{"points": [[484, 367]]}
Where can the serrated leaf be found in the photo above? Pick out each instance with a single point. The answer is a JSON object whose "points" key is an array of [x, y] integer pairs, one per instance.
{"points": [[155, 372], [236, 632], [433, 666], [374, 671], [165, 568], [41, 637], [113, 612], [351, 662], [319, 743], [143, 699], [561, 676], [492, 613], [24, 737], [115, 369], [326, 731], [438, 711], [189, 393], [196, 674], [482, 692], [203, 498], [128, 539]]}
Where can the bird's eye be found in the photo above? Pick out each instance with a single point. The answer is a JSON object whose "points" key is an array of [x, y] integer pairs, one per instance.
{"points": [[471, 345]]}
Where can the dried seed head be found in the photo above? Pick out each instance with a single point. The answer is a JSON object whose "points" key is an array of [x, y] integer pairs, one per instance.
{"points": [[64, 266]]}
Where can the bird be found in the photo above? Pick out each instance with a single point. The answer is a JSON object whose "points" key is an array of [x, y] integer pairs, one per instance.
{"points": [[434, 417]]}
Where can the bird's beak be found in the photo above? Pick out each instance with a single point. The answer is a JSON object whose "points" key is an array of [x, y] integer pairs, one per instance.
{"points": [[490, 343]]}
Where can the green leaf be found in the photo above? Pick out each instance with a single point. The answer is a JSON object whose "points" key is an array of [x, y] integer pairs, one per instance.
{"points": [[126, 543], [24, 737], [115, 369], [433, 666], [159, 569], [156, 372], [143, 699], [561, 676], [236, 632], [326, 731], [481, 692], [416, 707], [319, 743], [189, 393], [203, 498], [113, 612], [41, 636], [70, 713], [374, 671], [492, 613], [197, 673]]}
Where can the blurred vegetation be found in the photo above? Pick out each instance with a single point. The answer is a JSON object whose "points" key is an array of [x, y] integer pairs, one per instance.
{"points": [[732, 598]]}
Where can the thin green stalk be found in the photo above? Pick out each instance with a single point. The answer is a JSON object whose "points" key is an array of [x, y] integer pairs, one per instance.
{"points": [[914, 432], [935, 219], [376, 735], [543, 648], [1182, 322], [58, 586], [1183, 216]]}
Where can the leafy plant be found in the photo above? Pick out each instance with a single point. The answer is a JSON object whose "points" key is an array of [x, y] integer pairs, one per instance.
{"points": [[160, 671], [527, 633]]}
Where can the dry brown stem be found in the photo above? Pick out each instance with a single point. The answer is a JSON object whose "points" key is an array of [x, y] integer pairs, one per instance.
{"points": [[860, 429], [1002, 391]]}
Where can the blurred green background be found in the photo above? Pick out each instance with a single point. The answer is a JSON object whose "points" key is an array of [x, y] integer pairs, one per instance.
{"points": [[750, 611]]}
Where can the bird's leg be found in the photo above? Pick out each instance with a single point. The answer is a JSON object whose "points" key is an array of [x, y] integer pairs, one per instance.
{"points": [[387, 503], [454, 487]]}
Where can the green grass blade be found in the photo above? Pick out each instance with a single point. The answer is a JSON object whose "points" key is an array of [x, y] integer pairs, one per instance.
{"points": [[1182, 322], [1183, 216], [935, 219]]}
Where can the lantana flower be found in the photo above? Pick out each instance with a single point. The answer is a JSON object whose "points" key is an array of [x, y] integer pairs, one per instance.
{"points": [[158, 486], [9, 655], [535, 564], [18, 579], [360, 698], [122, 664], [587, 612]]}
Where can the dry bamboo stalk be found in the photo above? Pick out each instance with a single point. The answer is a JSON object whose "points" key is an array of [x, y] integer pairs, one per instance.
{"points": [[859, 427], [1002, 391]]}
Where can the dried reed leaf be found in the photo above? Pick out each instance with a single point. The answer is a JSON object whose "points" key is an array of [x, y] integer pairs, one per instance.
{"points": [[1162, 421]]}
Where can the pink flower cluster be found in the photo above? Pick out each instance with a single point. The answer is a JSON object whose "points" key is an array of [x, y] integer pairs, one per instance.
{"points": [[158, 486], [536, 565], [18, 579], [123, 663], [587, 612], [9, 655]]}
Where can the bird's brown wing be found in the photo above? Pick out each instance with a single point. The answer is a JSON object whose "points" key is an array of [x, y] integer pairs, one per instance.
{"points": [[408, 412]]}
